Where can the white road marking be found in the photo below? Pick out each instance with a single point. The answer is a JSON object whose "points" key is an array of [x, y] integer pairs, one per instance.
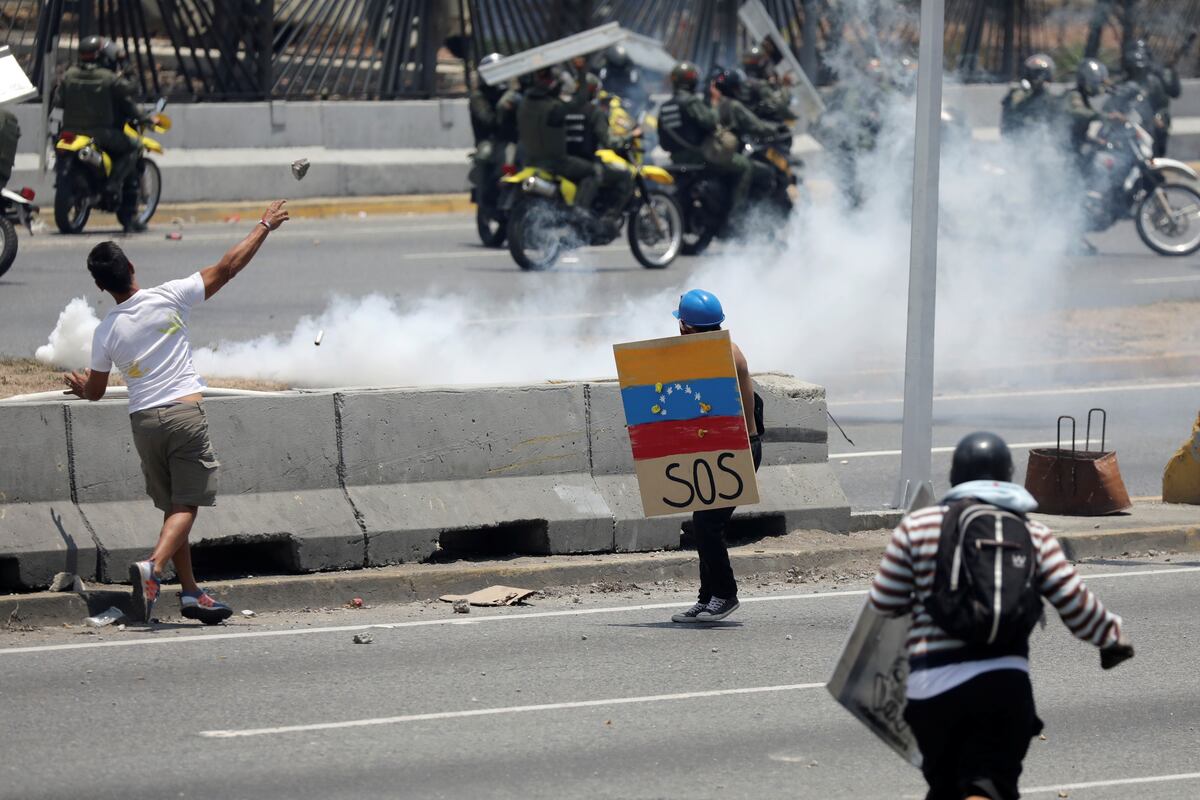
{"points": [[1172, 279], [1063, 787], [1123, 387], [876, 453], [486, 712], [420, 623]]}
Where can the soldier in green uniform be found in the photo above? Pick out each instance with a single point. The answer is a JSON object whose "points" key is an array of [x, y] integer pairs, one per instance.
{"points": [[541, 128], [588, 131], [732, 115], [98, 103], [1077, 102], [766, 99], [493, 120], [1029, 104], [1160, 84]]}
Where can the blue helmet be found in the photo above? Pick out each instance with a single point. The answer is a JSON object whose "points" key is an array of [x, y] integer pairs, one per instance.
{"points": [[700, 309]]}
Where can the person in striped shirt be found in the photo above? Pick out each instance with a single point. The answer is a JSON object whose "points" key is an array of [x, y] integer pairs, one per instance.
{"points": [[972, 709]]}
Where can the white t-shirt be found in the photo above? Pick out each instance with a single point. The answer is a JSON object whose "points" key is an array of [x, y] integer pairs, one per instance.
{"points": [[146, 337], [926, 683]]}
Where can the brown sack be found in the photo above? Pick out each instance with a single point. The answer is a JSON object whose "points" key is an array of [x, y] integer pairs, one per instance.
{"points": [[1076, 482]]}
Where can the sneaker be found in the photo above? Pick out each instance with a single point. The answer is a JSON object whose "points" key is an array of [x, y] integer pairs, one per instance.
{"points": [[204, 607], [146, 586], [689, 615], [717, 610]]}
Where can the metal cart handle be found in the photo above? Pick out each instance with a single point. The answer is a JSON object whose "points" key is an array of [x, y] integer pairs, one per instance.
{"points": [[1103, 428]]}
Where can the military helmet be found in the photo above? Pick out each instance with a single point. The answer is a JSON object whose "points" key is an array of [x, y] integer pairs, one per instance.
{"points": [[97, 48], [755, 61], [1038, 69], [981, 456], [729, 82], [685, 75], [547, 77], [1091, 76], [617, 56]]}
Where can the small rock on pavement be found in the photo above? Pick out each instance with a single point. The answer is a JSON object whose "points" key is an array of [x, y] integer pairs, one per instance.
{"points": [[174, 236], [63, 582], [106, 618], [462, 607], [1063, 794], [363, 638], [247, 613], [715, 650], [788, 637], [357, 602]]}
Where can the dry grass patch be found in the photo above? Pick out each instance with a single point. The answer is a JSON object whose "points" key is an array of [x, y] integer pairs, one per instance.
{"points": [[26, 376]]}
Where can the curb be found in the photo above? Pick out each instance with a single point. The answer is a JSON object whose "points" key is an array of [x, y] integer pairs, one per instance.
{"points": [[316, 207], [408, 583]]}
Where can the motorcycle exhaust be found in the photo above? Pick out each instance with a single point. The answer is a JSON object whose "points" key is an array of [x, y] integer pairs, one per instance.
{"points": [[91, 155], [539, 186]]}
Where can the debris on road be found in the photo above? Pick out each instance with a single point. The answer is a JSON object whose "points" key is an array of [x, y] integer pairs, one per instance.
{"points": [[174, 236], [461, 607], [247, 613], [16, 623], [363, 638], [106, 618], [121, 627], [491, 596], [300, 168], [788, 638], [356, 603], [66, 582]]}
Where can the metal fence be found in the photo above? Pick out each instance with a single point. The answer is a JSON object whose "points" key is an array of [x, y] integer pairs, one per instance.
{"points": [[388, 49]]}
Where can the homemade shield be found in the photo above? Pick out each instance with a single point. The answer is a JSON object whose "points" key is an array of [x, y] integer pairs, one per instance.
{"points": [[871, 677], [1077, 482], [686, 423]]}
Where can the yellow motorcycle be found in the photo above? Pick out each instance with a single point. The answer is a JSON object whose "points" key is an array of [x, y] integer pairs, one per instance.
{"points": [[543, 221], [82, 172]]}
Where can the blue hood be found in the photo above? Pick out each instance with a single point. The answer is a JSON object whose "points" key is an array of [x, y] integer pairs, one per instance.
{"points": [[1009, 496]]}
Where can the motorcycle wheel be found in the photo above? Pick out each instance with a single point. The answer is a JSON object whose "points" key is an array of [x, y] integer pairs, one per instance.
{"points": [[696, 242], [8, 244], [149, 192], [533, 240], [491, 225], [72, 200], [1176, 230], [655, 244]]}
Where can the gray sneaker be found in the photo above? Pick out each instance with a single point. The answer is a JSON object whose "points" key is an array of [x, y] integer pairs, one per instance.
{"points": [[691, 614], [717, 610]]}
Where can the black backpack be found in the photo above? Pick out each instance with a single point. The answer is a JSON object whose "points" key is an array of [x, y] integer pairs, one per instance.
{"points": [[984, 582]]}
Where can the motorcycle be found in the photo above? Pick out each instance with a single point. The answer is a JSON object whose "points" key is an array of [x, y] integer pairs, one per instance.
{"points": [[704, 196], [490, 221], [543, 220], [1124, 181], [82, 172], [15, 208]]}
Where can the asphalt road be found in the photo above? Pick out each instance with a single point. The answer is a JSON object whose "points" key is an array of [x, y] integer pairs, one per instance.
{"points": [[599, 698]]}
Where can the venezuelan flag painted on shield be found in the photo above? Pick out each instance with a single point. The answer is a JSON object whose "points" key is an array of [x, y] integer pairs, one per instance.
{"points": [[687, 427]]}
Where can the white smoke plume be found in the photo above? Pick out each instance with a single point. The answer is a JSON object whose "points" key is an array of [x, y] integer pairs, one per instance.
{"points": [[70, 343]]}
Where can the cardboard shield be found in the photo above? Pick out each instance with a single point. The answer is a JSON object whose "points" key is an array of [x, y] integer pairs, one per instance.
{"points": [[686, 423], [871, 677]]}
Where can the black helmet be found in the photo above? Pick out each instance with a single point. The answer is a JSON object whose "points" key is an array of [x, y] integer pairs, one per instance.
{"points": [[981, 456], [1091, 76], [755, 61], [617, 56], [729, 82], [98, 48], [1136, 56], [1038, 69], [685, 76], [546, 77]]}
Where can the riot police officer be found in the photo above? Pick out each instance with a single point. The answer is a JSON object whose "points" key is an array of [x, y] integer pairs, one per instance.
{"points": [[541, 127], [588, 130], [493, 119], [1029, 104], [732, 115], [1160, 84], [622, 78], [97, 102]]}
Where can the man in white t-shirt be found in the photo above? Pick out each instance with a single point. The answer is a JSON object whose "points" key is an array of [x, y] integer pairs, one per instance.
{"points": [[145, 335]]}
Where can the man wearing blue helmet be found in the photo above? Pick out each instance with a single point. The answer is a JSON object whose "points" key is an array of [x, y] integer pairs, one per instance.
{"points": [[700, 312]]}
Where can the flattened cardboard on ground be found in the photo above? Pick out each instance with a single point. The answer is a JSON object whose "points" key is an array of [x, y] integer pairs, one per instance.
{"points": [[491, 596], [871, 679]]}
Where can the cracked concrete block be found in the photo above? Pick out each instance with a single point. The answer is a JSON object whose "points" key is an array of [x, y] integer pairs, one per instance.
{"points": [[278, 484], [41, 531], [424, 462]]}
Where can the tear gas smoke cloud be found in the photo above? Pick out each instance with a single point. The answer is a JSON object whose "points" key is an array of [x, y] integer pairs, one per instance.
{"points": [[70, 344], [831, 298]]}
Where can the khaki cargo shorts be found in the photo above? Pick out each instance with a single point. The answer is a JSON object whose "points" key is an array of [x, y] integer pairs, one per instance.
{"points": [[177, 456]]}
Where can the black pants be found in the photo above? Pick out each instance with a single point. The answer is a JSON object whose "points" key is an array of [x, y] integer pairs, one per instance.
{"points": [[974, 737], [708, 529]]}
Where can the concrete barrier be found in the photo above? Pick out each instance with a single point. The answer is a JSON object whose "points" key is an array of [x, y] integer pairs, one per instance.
{"points": [[424, 467], [338, 480], [280, 504], [41, 529]]}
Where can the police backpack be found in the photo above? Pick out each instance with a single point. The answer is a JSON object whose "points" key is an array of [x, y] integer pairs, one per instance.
{"points": [[985, 577]]}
